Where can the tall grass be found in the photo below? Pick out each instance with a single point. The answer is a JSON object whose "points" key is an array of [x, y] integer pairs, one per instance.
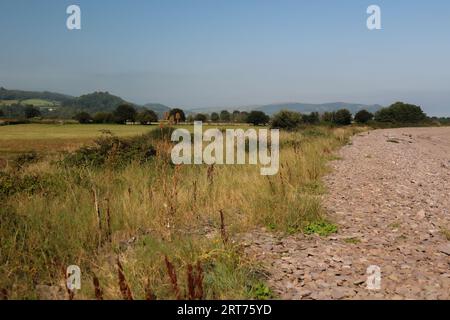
{"points": [[146, 212]]}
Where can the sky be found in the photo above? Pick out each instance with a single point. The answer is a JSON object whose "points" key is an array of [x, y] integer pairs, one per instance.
{"points": [[224, 53]]}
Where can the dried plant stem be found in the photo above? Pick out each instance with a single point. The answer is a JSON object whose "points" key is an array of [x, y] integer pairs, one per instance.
{"points": [[123, 285], [173, 278]]}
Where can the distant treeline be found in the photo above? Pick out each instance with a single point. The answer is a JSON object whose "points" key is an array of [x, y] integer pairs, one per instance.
{"points": [[398, 114]]}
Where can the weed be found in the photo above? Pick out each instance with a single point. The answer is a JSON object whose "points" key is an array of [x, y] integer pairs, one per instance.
{"points": [[321, 228]]}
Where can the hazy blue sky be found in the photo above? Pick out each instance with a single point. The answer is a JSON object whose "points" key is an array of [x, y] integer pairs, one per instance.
{"points": [[202, 53]]}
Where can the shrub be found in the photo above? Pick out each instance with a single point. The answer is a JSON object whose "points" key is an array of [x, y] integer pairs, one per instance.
{"points": [[342, 117], [32, 112], [26, 158], [363, 116], [401, 113], [110, 150], [288, 120]]}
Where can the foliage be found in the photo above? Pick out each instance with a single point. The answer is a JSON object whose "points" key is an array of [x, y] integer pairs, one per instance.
{"points": [[312, 118], [112, 151], [400, 112], [31, 112], [177, 115], [124, 113], [201, 117], [225, 116], [103, 117], [147, 117], [363, 116], [321, 228], [342, 117], [289, 120], [258, 118], [215, 117], [83, 117]]}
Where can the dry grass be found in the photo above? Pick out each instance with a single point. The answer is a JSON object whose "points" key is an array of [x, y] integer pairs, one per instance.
{"points": [[159, 218]]}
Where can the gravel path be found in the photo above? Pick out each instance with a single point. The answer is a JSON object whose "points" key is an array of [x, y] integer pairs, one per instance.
{"points": [[390, 196]]}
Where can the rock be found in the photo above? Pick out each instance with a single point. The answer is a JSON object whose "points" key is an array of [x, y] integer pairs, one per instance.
{"points": [[445, 248]]}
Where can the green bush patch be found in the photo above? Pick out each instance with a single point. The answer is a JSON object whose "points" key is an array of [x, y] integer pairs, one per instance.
{"points": [[321, 228]]}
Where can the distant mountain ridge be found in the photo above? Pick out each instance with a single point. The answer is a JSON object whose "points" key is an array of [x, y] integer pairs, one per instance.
{"points": [[6, 94]]}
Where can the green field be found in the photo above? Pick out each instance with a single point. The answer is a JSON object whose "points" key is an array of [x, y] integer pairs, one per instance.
{"points": [[32, 102], [53, 137]]}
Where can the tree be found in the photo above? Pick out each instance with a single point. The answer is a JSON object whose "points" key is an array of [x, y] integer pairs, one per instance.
{"points": [[83, 117], [235, 115], [147, 117], [363, 116], [312, 118], [178, 115], [401, 113], [214, 117], [32, 112], [225, 116], [328, 116], [288, 120], [342, 117], [257, 118], [124, 113], [201, 117], [2, 114], [103, 117]]}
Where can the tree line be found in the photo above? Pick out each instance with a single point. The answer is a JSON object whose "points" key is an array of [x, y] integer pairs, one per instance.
{"points": [[397, 114]]}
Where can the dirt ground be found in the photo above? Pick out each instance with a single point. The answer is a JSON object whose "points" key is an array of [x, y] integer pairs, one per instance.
{"points": [[390, 196]]}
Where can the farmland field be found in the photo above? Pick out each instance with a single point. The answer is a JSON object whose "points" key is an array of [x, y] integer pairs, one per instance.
{"points": [[53, 137]]}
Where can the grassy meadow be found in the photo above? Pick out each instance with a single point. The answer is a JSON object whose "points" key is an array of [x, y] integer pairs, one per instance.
{"points": [[143, 213]]}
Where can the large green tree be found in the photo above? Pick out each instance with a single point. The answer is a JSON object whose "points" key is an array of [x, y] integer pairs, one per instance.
{"points": [[363, 116], [124, 113], [342, 117], [286, 119], [258, 118], [147, 117], [401, 113]]}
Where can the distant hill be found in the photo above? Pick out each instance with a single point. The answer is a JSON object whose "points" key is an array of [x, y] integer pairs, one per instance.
{"points": [[270, 109], [20, 95], [95, 102], [324, 107], [159, 108]]}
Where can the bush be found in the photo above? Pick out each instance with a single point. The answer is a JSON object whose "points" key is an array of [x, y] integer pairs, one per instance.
{"points": [[288, 120], [400, 112], [342, 117], [147, 117], [363, 116], [110, 150]]}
